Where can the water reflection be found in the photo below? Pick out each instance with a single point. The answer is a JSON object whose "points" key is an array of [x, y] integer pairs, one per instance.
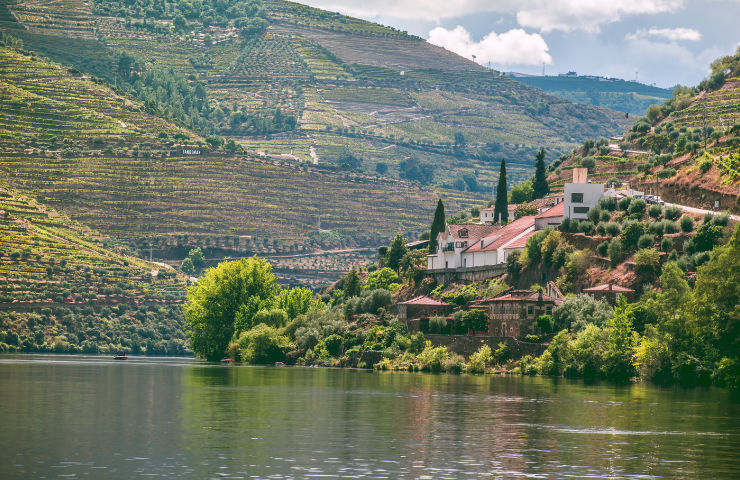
{"points": [[87, 418]]}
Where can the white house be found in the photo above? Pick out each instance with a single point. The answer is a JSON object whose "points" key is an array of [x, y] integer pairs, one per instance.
{"points": [[581, 195], [466, 246], [550, 218], [453, 240]]}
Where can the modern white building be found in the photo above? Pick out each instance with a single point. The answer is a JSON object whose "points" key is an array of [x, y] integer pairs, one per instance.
{"points": [[581, 195]]}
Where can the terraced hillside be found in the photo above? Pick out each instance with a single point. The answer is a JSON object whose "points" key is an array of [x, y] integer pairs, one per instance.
{"points": [[687, 150], [308, 85], [99, 156], [63, 290]]}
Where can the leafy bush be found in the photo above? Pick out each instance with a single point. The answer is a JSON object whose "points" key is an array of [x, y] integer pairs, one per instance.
{"points": [[603, 248], [608, 203], [705, 165], [654, 211], [687, 224], [645, 241], [578, 311], [666, 173], [647, 260], [624, 203], [637, 206], [479, 360], [672, 213], [666, 244], [437, 324], [381, 279], [613, 228], [432, 359], [263, 344]]}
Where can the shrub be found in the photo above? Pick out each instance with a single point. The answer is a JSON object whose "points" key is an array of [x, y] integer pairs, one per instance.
{"points": [[589, 163], [432, 359], [601, 228], [637, 206], [631, 233], [475, 320], [605, 216], [603, 248], [672, 213], [501, 354], [586, 227], [454, 364], [437, 324], [705, 165], [608, 203], [666, 244], [545, 324], [721, 220], [645, 241], [564, 225], [479, 360], [654, 211], [670, 227], [578, 311], [615, 252], [383, 278], [263, 344], [624, 203], [666, 173], [647, 260], [613, 229], [687, 224]]}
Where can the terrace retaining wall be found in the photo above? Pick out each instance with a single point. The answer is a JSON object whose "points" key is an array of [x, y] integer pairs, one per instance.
{"points": [[468, 344], [470, 274]]}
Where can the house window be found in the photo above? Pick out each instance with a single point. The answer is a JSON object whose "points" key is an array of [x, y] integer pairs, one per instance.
{"points": [[530, 309], [548, 310], [576, 197], [463, 233], [580, 209]]}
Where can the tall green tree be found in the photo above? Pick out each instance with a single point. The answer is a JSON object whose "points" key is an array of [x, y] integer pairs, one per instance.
{"points": [[352, 285], [540, 186], [396, 252], [212, 305], [438, 225], [500, 209]]}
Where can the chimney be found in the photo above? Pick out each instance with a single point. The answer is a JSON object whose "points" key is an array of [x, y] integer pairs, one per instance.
{"points": [[580, 175]]}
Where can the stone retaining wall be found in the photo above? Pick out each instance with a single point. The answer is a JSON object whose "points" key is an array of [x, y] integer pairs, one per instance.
{"points": [[467, 344]]}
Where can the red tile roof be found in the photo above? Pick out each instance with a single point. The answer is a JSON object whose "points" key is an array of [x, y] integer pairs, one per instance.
{"points": [[498, 239], [609, 287], [475, 231], [556, 211], [521, 296], [521, 241], [424, 300]]}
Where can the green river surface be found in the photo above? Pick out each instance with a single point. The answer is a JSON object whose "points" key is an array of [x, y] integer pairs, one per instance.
{"points": [[93, 417]]}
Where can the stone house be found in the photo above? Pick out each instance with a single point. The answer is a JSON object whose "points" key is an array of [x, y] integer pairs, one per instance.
{"points": [[609, 292], [514, 313]]}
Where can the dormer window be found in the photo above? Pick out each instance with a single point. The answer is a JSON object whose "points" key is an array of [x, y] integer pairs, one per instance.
{"points": [[481, 243], [463, 233]]}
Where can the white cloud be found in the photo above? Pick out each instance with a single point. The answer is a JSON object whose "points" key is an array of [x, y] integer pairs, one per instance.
{"points": [[544, 15], [515, 47], [672, 34], [587, 15]]}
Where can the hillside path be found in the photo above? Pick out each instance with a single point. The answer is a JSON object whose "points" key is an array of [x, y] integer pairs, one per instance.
{"points": [[699, 211]]}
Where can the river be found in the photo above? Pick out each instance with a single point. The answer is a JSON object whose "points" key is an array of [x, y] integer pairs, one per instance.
{"points": [[92, 417]]}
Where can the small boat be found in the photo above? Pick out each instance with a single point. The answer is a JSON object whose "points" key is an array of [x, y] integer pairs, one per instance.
{"points": [[279, 364], [226, 360], [120, 356]]}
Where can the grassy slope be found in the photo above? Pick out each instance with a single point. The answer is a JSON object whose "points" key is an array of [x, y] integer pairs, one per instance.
{"points": [[309, 58], [62, 290]]}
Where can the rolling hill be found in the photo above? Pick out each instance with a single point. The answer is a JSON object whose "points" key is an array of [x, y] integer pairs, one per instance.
{"points": [[288, 80], [622, 95]]}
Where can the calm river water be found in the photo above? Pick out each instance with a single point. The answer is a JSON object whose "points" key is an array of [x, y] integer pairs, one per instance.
{"points": [[90, 417]]}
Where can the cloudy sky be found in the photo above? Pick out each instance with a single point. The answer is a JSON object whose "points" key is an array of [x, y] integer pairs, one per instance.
{"points": [[667, 42]]}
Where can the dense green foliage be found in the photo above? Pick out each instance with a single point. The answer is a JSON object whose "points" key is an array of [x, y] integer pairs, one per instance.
{"points": [[438, 225]]}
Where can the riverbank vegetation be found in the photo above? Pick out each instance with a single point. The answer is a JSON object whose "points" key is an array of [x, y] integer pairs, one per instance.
{"points": [[675, 332]]}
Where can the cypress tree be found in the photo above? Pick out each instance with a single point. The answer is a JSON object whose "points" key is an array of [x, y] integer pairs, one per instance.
{"points": [[352, 284], [500, 209], [438, 225], [540, 186]]}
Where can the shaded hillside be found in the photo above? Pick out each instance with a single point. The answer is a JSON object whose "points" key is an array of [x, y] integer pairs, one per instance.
{"points": [[687, 150], [625, 96], [63, 290], [283, 78]]}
